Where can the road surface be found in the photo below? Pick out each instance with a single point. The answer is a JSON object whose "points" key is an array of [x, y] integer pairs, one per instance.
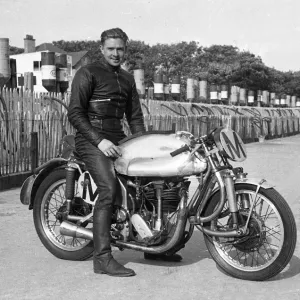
{"points": [[29, 271]]}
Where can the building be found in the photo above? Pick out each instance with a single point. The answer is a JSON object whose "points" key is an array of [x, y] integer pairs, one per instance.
{"points": [[30, 61], [78, 59]]}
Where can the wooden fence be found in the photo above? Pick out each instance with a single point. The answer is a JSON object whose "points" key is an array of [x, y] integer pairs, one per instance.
{"points": [[27, 113]]}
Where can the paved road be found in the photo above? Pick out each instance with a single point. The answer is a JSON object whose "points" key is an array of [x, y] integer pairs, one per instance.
{"points": [[29, 271]]}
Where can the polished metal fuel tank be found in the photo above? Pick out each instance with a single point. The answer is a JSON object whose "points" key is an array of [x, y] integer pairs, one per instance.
{"points": [[148, 155]]}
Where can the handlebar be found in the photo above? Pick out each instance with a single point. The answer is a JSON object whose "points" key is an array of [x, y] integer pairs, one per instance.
{"points": [[180, 150], [207, 139]]}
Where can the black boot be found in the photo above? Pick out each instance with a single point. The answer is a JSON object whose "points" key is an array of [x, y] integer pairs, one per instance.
{"points": [[173, 258], [104, 263]]}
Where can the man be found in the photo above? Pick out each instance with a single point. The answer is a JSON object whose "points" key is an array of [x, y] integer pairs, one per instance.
{"points": [[101, 93]]}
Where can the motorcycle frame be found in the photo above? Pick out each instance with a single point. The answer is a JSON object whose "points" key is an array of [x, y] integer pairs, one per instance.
{"points": [[223, 176], [215, 174]]}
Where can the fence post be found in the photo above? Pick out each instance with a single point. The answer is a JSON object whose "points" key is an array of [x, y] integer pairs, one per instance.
{"points": [[150, 94], [250, 101], [243, 97], [288, 101], [203, 91], [277, 100], [293, 101], [213, 94], [272, 99], [234, 95], [34, 150], [196, 88], [265, 98], [175, 88], [139, 78], [259, 98], [224, 94], [166, 87], [158, 87], [190, 91]]}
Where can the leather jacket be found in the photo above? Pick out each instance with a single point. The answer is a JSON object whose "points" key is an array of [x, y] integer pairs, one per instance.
{"points": [[101, 91]]}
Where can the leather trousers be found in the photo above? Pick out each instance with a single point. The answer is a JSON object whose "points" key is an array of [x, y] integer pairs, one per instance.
{"points": [[101, 169]]}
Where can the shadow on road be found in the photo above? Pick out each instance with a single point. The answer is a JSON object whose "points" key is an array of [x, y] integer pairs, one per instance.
{"points": [[291, 270], [194, 251]]}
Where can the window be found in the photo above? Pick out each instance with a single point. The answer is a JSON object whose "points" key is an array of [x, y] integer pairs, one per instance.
{"points": [[37, 65]]}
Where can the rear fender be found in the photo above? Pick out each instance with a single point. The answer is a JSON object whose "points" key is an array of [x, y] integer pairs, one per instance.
{"points": [[32, 183]]}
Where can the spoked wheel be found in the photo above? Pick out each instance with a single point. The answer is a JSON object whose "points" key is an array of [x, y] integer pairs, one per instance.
{"points": [[49, 208], [270, 243]]}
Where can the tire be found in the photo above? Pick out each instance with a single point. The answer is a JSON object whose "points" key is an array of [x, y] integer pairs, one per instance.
{"points": [[270, 244], [51, 194]]}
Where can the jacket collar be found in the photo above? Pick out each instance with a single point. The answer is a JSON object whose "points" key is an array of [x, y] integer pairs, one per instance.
{"points": [[107, 66]]}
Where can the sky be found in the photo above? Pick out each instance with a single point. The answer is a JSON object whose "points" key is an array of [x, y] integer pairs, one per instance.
{"points": [[268, 28]]}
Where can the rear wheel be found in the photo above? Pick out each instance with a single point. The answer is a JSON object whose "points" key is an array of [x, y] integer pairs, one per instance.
{"points": [[271, 241], [49, 204]]}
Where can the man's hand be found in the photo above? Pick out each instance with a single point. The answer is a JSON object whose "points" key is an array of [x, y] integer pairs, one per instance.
{"points": [[109, 149]]}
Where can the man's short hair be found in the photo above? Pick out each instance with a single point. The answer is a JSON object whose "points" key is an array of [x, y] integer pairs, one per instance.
{"points": [[114, 33]]}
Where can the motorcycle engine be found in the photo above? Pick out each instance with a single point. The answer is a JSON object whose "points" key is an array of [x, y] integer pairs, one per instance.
{"points": [[152, 219], [170, 199]]}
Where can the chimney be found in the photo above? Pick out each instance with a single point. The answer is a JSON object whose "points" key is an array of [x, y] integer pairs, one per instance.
{"points": [[29, 44]]}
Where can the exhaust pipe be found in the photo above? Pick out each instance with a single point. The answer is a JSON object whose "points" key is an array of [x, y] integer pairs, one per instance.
{"points": [[70, 229]]}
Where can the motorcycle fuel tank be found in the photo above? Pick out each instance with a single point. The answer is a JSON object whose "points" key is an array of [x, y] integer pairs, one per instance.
{"points": [[148, 155]]}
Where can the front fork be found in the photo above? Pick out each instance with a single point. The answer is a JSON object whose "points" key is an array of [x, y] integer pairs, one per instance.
{"points": [[226, 183], [231, 197], [244, 200]]}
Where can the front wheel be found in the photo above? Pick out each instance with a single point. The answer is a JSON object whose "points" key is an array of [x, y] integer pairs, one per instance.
{"points": [[271, 241], [49, 202]]}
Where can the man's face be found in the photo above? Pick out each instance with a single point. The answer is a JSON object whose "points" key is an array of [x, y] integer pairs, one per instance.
{"points": [[113, 51]]}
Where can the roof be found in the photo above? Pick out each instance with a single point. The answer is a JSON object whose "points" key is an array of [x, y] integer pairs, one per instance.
{"points": [[49, 47], [77, 56]]}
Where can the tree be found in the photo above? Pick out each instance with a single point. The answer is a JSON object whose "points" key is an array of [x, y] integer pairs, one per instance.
{"points": [[15, 50], [219, 64], [276, 81], [251, 73], [291, 85]]}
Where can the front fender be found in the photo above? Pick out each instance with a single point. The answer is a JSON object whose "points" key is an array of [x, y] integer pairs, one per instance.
{"points": [[255, 181], [32, 183]]}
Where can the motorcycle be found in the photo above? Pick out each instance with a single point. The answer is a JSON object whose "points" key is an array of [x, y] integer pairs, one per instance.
{"points": [[248, 227]]}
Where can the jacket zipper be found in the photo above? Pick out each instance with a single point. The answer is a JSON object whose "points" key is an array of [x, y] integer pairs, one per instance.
{"points": [[120, 93], [100, 100]]}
